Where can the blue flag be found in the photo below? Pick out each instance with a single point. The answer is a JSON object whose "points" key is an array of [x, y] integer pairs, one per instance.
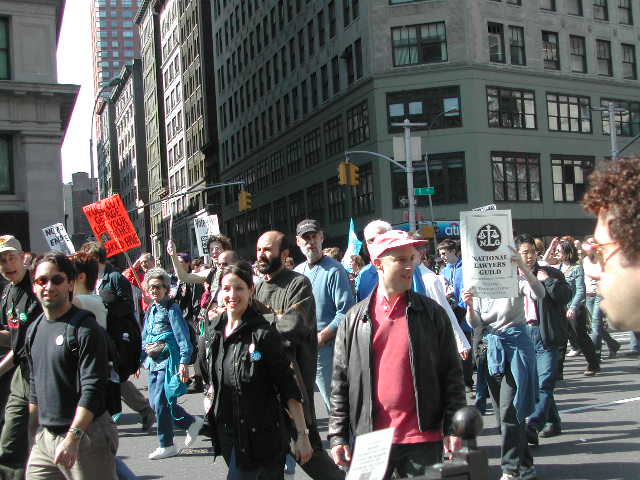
{"points": [[353, 248]]}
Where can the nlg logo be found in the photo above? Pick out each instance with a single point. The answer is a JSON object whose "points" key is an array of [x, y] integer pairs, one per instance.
{"points": [[489, 237]]}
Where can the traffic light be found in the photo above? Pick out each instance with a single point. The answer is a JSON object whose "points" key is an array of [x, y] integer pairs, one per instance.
{"points": [[354, 174], [343, 173], [244, 200]]}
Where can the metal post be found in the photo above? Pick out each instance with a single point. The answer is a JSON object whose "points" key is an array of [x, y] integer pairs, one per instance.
{"points": [[409, 166], [613, 132], [426, 168]]}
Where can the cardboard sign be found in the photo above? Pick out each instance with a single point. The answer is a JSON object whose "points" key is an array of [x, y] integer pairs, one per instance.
{"points": [[371, 455], [486, 238], [205, 226], [58, 239], [111, 225]]}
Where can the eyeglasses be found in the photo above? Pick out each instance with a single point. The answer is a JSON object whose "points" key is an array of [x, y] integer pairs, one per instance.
{"points": [[57, 279], [155, 287], [590, 247]]}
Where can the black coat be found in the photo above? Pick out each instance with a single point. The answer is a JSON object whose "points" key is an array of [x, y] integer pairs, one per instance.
{"points": [[552, 313], [435, 365], [263, 382]]}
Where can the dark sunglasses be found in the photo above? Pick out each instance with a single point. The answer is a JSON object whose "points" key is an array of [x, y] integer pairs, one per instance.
{"points": [[57, 279]]}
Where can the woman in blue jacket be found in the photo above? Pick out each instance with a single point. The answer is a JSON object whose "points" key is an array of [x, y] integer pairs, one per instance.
{"points": [[167, 348]]}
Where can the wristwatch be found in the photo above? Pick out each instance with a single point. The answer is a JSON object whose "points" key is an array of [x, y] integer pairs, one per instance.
{"points": [[305, 431], [77, 433]]}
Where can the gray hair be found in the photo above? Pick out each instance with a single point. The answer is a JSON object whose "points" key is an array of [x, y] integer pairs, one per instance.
{"points": [[159, 273], [375, 228]]}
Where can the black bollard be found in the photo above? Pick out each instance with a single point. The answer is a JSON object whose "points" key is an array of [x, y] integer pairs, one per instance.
{"points": [[468, 463]]}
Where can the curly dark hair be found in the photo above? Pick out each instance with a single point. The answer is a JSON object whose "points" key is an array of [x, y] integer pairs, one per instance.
{"points": [[615, 187]]}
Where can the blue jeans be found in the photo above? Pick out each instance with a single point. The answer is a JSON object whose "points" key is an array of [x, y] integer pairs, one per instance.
{"points": [[158, 401], [634, 341], [545, 410], [598, 333], [482, 389], [324, 371]]}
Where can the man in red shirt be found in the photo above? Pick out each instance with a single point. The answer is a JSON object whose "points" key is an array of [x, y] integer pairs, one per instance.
{"points": [[396, 358]]}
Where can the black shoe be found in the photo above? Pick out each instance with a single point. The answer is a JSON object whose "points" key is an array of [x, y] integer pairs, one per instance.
{"points": [[532, 435], [551, 430], [613, 352]]}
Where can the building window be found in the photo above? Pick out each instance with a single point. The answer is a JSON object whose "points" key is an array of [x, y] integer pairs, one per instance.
{"points": [[311, 37], [516, 177], [496, 42], [336, 200], [315, 202], [321, 28], [312, 148], [578, 54], [6, 165], [570, 175], [600, 10], [625, 14], [335, 73], [314, 89], [574, 7], [294, 158], [324, 82], [417, 44], [603, 52], [548, 5], [516, 45], [362, 195], [296, 207], [425, 106], [627, 119], [280, 215], [508, 108], [629, 62], [550, 50], [304, 97], [346, 12], [333, 136], [357, 124], [569, 113], [332, 18], [357, 47]]}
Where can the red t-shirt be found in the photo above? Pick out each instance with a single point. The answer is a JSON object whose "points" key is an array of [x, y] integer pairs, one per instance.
{"points": [[395, 398]]}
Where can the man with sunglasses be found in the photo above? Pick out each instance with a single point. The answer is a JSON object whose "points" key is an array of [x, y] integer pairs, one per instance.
{"points": [[614, 197], [77, 437], [18, 308]]}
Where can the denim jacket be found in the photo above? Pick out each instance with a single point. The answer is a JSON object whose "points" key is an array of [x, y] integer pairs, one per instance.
{"points": [[160, 319], [575, 278]]}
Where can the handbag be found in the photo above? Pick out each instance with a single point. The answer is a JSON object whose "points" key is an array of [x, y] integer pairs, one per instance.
{"points": [[154, 349]]}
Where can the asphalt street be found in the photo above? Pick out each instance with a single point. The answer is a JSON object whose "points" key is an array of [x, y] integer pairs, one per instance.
{"points": [[600, 440]]}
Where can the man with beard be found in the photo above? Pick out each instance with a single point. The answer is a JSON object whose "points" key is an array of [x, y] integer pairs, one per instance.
{"points": [[332, 293], [289, 298]]}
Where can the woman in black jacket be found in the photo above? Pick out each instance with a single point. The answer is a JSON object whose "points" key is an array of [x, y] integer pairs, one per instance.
{"points": [[251, 385]]}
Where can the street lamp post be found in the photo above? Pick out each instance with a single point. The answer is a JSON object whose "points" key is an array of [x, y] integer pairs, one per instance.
{"points": [[612, 108]]}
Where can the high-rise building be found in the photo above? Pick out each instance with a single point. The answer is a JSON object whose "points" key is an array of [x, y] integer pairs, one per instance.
{"points": [[114, 38], [180, 115], [34, 114], [81, 191], [507, 91]]}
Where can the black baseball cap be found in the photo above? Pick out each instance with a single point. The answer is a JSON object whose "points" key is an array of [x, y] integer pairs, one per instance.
{"points": [[307, 226]]}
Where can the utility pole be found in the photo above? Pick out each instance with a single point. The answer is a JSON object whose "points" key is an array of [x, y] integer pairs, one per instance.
{"points": [[613, 131]]}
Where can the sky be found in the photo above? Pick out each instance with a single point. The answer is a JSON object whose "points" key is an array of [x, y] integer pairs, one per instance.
{"points": [[74, 66]]}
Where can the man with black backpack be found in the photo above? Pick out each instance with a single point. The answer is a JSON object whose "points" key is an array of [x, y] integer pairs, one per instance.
{"points": [[68, 383], [123, 329]]}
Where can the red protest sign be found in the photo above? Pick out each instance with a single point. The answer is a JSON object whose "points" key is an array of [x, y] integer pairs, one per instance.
{"points": [[111, 225]]}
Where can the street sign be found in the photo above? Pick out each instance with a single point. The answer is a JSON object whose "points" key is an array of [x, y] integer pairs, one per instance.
{"points": [[425, 191]]}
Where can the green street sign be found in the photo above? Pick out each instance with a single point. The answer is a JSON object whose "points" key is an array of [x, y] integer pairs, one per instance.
{"points": [[425, 191]]}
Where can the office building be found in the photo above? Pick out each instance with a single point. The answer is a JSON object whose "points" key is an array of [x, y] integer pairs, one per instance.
{"points": [[81, 191]]}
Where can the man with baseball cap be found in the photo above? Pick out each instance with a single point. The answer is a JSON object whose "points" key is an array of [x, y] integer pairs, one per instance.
{"points": [[18, 308], [396, 349], [332, 293]]}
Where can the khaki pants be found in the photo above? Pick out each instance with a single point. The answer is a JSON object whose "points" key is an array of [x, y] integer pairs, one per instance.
{"points": [[96, 458]]}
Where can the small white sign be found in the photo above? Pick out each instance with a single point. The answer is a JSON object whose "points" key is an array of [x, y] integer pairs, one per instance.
{"points": [[371, 455], [486, 238], [58, 239], [205, 226]]}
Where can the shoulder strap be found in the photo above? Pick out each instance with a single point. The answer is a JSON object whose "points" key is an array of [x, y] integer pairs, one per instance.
{"points": [[31, 335], [72, 331]]}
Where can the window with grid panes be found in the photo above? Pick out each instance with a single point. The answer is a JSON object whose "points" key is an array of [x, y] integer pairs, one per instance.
{"points": [[321, 28], [569, 176], [324, 82], [600, 10], [331, 8], [311, 37], [511, 108], [425, 106], [417, 44], [315, 202], [548, 5], [567, 113], [550, 51], [578, 54], [294, 157], [516, 45], [495, 32], [313, 81], [280, 215], [629, 71], [516, 177], [336, 200], [6, 165], [627, 120], [603, 54], [296, 207], [312, 148], [333, 136], [264, 215], [358, 124], [362, 194], [335, 74]]}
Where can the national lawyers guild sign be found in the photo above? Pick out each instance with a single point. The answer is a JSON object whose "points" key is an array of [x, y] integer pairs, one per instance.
{"points": [[489, 238]]}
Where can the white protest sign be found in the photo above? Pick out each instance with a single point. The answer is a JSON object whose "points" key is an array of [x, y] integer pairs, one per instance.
{"points": [[58, 239], [485, 238], [371, 455], [205, 226]]}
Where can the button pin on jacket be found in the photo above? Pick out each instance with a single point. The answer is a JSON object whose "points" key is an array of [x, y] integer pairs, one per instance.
{"points": [[59, 340]]}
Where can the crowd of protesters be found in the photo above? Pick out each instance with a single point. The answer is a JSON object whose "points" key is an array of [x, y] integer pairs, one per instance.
{"points": [[399, 343]]}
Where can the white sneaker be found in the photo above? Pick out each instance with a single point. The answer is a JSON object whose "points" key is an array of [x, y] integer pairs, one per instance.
{"points": [[508, 476], [573, 353], [193, 431], [163, 452]]}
